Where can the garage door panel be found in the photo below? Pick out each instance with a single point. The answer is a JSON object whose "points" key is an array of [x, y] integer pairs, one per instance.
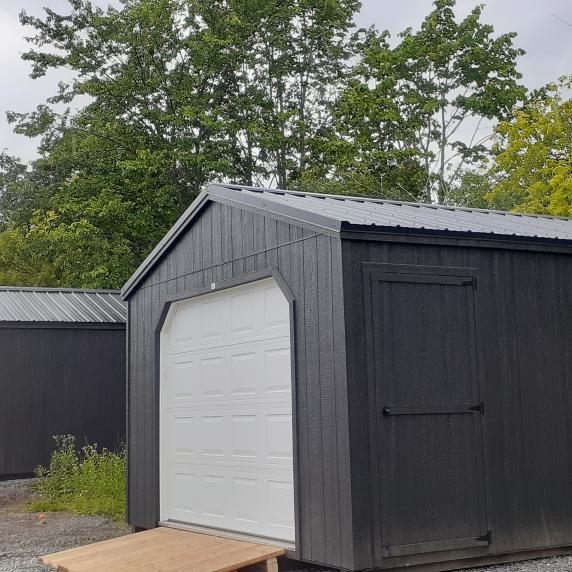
{"points": [[214, 321], [276, 309], [227, 498], [234, 316], [182, 484], [213, 376], [183, 437], [277, 431], [179, 330], [242, 433], [277, 369], [280, 512], [245, 436], [247, 500], [226, 412], [243, 315], [262, 337], [179, 373], [212, 435], [242, 371]]}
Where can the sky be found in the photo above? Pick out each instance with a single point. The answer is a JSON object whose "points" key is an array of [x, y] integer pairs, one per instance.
{"points": [[544, 29]]}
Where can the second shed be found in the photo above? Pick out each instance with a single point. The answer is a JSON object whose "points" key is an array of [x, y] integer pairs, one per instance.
{"points": [[62, 372]]}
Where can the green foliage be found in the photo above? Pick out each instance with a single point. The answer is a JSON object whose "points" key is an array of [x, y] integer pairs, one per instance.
{"points": [[88, 482], [471, 189], [410, 101], [177, 93], [180, 92], [534, 155]]}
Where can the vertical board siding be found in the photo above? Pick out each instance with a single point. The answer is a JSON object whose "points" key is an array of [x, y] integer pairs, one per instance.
{"points": [[523, 311], [224, 243], [59, 381]]}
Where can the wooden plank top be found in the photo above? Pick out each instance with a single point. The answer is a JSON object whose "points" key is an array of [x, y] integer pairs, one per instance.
{"points": [[163, 550]]}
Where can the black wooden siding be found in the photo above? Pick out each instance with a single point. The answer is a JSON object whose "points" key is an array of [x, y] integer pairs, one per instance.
{"points": [[55, 381], [523, 304], [223, 243]]}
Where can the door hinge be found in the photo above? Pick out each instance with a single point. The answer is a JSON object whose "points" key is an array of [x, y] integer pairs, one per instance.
{"points": [[479, 408], [488, 537]]}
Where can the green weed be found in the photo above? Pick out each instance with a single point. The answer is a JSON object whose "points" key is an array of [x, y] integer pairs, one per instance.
{"points": [[85, 481]]}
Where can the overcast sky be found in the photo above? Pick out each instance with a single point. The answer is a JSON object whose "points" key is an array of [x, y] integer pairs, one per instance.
{"points": [[541, 26]]}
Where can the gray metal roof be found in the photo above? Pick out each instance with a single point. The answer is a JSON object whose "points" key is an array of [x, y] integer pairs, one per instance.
{"points": [[18, 304], [397, 214], [337, 213]]}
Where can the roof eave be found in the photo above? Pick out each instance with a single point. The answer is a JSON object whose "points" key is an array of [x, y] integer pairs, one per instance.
{"points": [[347, 228]]}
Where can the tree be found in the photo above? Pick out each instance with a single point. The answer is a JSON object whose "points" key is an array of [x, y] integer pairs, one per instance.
{"points": [[294, 57], [471, 189], [417, 97], [533, 160], [12, 173], [179, 92], [366, 149]]}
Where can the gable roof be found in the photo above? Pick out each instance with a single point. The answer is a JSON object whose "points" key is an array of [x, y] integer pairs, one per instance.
{"points": [[337, 213], [18, 304]]}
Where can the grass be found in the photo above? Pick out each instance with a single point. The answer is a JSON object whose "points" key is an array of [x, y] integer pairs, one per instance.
{"points": [[83, 481]]}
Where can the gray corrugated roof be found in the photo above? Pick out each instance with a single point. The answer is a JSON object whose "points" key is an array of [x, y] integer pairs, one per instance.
{"points": [[338, 212], [61, 305], [397, 214]]}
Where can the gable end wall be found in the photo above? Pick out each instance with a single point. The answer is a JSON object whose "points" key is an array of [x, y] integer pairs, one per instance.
{"points": [[227, 243]]}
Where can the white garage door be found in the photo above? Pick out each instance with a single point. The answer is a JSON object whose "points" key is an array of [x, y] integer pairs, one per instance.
{"points": [[226, 412]]}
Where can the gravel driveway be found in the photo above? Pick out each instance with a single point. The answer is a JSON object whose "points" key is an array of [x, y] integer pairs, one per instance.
{"points": [[23, 538]]}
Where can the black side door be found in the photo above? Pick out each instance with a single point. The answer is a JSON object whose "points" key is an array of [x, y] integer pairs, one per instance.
{"points": [[428, 410]]}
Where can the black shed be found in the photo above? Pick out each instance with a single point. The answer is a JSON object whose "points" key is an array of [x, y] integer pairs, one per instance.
{"points": [[372, 384], [62, 371]]}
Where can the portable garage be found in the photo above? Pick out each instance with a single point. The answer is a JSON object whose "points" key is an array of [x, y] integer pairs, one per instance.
{"points": [[62, 372], [370, 384]]}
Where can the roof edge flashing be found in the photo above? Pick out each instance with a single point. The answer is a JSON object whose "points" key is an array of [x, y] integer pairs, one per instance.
{"points": [[397, 230], [57, 290]]}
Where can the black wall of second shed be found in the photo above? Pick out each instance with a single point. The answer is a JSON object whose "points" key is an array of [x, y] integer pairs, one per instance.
{"points": [[523, 303], [228, 243], [59, 381]]}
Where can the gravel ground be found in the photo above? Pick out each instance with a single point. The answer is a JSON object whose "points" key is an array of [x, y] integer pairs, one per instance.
{"points": [[560, 564], [23, 538]]}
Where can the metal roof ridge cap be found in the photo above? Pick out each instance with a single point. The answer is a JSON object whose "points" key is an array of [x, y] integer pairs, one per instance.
{"points": [[353, 198], [327, 222]]}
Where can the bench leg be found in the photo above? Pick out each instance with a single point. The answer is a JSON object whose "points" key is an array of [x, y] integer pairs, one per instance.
{"points": [[270, 565]]}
